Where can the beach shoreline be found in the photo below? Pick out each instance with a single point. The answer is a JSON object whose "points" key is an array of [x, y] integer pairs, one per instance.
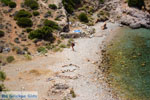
{"points": [[82, 73]]}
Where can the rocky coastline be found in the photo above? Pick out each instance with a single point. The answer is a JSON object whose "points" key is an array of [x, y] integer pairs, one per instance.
{"points": [[135, 18]]}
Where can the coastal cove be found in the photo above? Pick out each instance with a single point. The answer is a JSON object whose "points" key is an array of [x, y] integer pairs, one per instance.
{"points": [[126, 63]]}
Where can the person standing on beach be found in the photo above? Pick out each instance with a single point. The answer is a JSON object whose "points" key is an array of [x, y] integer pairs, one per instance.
{"points": [[72, 45]]}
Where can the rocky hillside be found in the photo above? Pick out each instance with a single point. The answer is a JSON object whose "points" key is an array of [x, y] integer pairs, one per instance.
{"points": [[16, 23]]}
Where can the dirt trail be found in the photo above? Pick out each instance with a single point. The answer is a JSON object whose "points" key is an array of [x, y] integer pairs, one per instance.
{"points": [[77, 69]]}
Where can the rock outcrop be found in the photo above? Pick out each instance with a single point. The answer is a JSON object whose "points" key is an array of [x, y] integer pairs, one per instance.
{"points": [[136, 18]]}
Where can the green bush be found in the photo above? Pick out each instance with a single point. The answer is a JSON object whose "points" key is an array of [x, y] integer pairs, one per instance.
{"points": [[44, 33], [2, 33], [36, 13], [72, 93], [6, 2], [42, 50], [83, 18], [22, 13], [51, 24], [2, 87], [70, 5], [28, 57], [52, 6], [136, 3], [33, 4], [24, 22], [2, 76], [28, 30], [9, 3], [63, 46], [10, 59], [101, 1], [12, 4]]}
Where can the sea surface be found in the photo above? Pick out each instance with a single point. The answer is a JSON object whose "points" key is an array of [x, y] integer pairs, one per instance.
{"points": [[128, 60]]}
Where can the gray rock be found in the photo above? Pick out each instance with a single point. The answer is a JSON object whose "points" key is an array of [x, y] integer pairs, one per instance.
{"points": [[135, 25], [124, 21], [6, 50], [136, 18], [61, 86]]}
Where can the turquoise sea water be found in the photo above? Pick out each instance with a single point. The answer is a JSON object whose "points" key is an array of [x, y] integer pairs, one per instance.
{"points": [[128, 58]]}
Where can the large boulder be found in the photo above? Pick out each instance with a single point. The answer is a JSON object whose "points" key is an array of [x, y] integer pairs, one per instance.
{"points": [[135, 18], [6, 50]]}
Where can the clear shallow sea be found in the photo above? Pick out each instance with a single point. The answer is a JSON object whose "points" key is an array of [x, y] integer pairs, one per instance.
{"points": [[128, 58]]}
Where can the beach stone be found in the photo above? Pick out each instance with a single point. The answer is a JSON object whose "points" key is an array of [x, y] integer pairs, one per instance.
{"points": [[61, 86], [6, 50]]}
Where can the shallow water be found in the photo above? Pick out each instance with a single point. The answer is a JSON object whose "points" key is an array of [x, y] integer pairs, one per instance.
{"points": [[128, 58]]}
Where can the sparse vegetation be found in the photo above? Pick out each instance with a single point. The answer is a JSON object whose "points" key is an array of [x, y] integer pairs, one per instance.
{"points": [[12, 4], [56, 49], [28, 57], [33, 4], [136, 3], [28, 30], [10, 59], [101, 1], [69, 42], [51, 24], [83, 18], [6, 2], [2, 76], [9, 3], [63, 46], [24, 22], [2, 87], [103, 15], [42, 50], [22, 13], [70, 5], [22, 18], [1, 33], [52, 6], [36, 13], [44, 33], [49, 13], [72, 93]]}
